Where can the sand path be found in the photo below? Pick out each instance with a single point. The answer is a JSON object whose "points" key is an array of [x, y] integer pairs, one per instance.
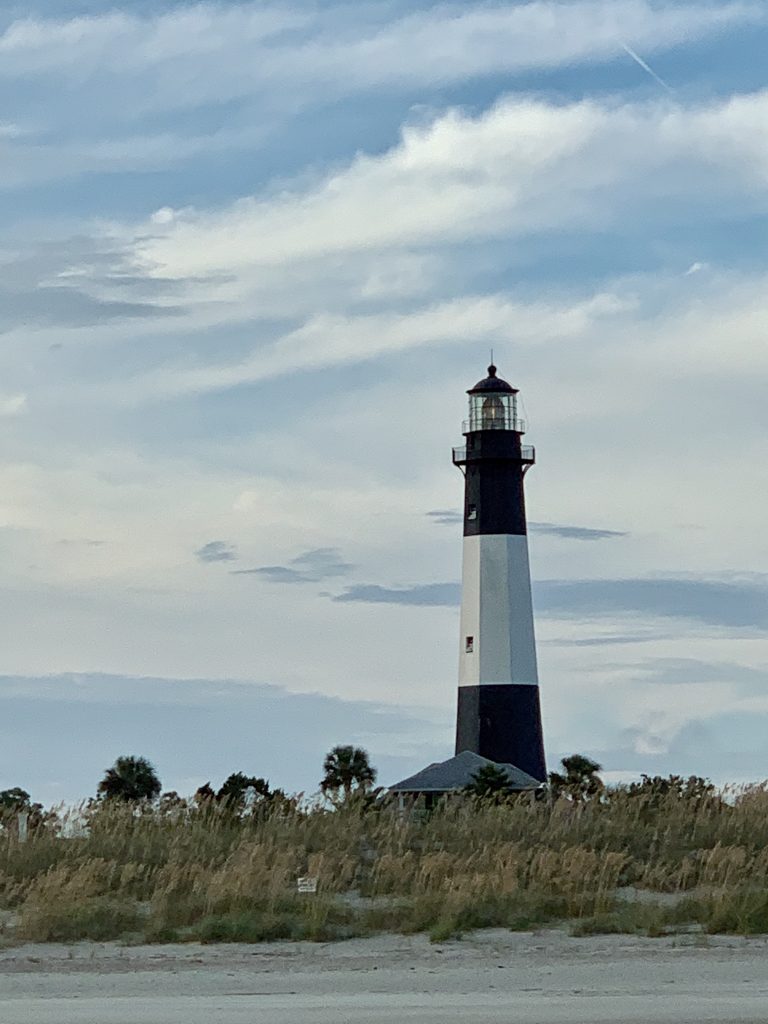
{"points": [[492, 977]]}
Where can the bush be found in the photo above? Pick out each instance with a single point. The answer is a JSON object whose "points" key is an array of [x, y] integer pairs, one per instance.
{"points": [[253, 927], [97, 918]]}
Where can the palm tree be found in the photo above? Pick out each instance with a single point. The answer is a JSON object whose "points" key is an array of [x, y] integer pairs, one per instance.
{"points": [[490, 782], [240, 790], [346, 769], [580, 780], [130, 778]]}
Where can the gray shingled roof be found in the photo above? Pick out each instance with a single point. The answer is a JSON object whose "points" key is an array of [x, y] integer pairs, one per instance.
{"points": [[456, 773]]}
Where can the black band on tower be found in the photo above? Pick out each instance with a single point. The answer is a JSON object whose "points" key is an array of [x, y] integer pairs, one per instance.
{"points": [[502, 723], [494, 464]]}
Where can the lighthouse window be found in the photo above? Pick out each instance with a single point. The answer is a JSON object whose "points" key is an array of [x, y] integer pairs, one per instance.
{"points": [[471, 511], [493, 413], [470, 644]]}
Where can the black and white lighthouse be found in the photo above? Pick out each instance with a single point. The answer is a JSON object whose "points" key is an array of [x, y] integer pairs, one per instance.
{"points": [[498, 710]]}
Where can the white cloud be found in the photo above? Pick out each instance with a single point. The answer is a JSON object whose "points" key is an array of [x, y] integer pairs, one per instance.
{"points": [[383, 231], [324, 341], [10, 131], [165, 215], [117, 41], [450, 42], [523, 166], [116, 70], [238, 47], [12, 405], [34, 159]]}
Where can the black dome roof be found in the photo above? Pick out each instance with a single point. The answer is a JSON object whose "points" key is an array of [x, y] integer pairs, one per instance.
{"points": [[492, 383]]}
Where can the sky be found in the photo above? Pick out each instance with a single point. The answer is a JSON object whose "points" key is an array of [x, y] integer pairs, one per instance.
{"points": [[254, 254]]}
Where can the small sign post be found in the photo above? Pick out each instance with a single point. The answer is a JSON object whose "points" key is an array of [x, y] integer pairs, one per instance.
{"points": [[307, 883], [23, 826]]}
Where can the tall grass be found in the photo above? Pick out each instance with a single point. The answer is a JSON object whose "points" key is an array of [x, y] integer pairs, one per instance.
{"points": [[159, 873]]}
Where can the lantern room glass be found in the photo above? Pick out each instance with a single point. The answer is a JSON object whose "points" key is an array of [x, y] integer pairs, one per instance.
{"points": [[493, 412]]}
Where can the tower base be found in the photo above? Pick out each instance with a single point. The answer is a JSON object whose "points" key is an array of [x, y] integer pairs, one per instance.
{"points": [[503, 723]]}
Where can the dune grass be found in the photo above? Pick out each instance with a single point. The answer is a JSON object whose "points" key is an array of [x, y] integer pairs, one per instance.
{"points": [[159, 873]]}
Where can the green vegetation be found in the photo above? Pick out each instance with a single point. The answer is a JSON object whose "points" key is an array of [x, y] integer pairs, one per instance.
{"points": [[16, 804], [130, 779], [14, 800], [346, 770], [655, 857], [490, 783], [579, 779]]}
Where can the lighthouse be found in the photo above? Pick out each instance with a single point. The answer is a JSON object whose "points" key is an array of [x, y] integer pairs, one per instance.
{"points": [[499, 716]]}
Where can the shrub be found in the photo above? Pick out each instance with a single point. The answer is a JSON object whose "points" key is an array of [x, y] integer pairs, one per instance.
{"points": [[96, 918]]}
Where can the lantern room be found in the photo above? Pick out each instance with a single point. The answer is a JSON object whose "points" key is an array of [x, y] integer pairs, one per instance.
{"points": [[493, 405]]}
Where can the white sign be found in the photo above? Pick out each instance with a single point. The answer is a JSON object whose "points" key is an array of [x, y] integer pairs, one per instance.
{"points": [[23, 826], [307, 884]]}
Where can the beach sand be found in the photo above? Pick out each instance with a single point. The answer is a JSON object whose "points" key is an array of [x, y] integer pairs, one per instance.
{"points": [[494, 977]]}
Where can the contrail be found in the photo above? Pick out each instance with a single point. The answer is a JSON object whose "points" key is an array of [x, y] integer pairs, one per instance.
{"points": [[638, 59]]}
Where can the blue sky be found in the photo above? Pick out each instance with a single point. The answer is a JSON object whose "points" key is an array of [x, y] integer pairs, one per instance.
{"points": [[254, 254]]}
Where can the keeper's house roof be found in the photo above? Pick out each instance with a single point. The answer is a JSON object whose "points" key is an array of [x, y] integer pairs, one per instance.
{"points": [[456, 773]]}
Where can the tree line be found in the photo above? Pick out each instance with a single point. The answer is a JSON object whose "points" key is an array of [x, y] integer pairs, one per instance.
{"points": [[347, 772]]}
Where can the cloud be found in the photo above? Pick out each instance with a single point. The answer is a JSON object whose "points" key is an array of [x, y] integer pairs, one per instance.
{"points": [[214, 53], [216, 551], [116, 83], [79, 281], [446, 516], [520, 166], [714, 602], [70, 307], [327, 340], [726, 603], [606, 640], [575, 532], [35, 160], [524, 167], [38, 46], [178, 724], [310, 567], [452, 517], [303, 293], [12, 405], [683, 671], [728, 748], [425, 594]]}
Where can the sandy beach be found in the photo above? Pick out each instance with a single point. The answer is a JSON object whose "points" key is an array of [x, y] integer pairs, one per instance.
{"points": [[496, 976]]}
